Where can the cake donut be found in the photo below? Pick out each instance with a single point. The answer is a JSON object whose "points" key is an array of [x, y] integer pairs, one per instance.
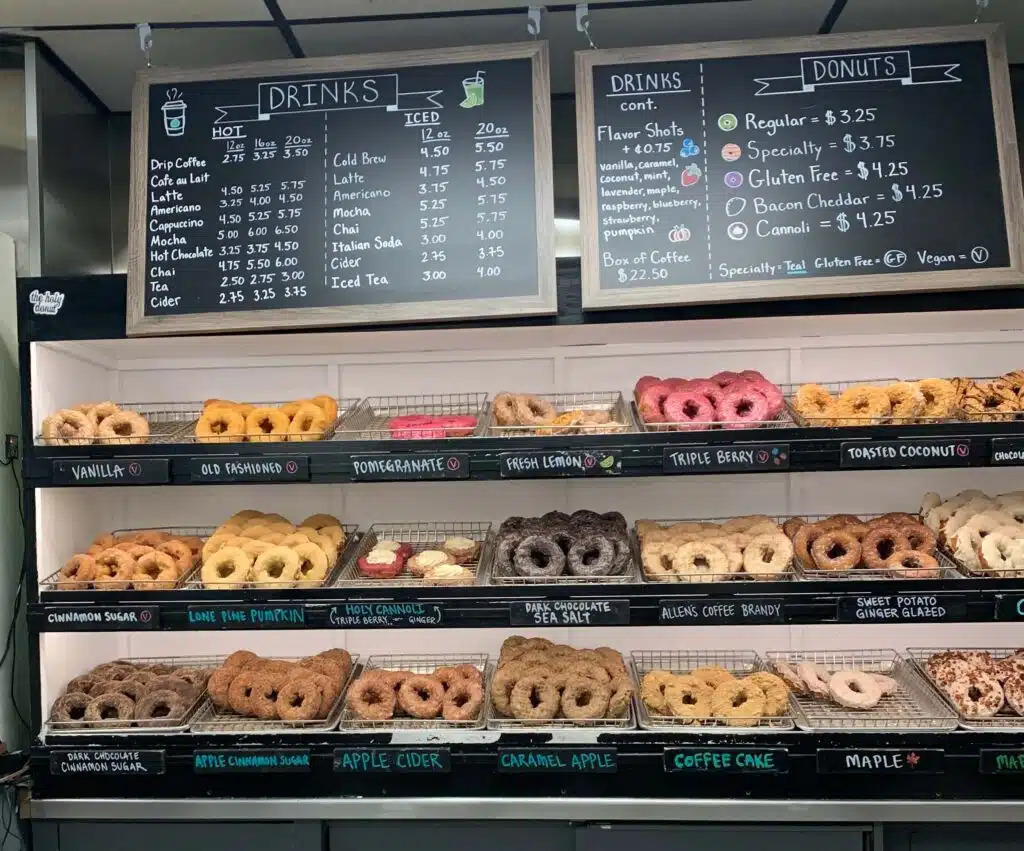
{"points": [[741, 407], [688, 410], [854, 690], [124, 427]]}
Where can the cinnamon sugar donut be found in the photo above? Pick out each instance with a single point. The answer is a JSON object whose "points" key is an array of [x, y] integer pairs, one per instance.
{"points": [[114, 571], [155, 571], [298, 700], [78, 574], [371, 699]]}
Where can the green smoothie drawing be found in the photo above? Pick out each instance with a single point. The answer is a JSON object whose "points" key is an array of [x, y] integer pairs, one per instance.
{"points": [[474, 88], [174, 113]]}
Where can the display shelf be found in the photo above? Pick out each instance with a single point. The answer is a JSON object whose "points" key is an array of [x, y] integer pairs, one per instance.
{"points": [[876, 601]]}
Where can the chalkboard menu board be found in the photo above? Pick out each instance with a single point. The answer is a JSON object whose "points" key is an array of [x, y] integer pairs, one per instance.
{"points": [[870, 162], [360, 189]]}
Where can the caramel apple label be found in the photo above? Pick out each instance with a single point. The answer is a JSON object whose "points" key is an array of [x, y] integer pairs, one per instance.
{"points": [[582, 760]]}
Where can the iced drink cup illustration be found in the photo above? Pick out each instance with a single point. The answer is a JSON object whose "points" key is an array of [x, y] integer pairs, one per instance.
{"points": [[174, 113], [474, 89]]}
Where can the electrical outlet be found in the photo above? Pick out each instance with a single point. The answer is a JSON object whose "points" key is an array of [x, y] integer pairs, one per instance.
{"points": [[10, 447]]}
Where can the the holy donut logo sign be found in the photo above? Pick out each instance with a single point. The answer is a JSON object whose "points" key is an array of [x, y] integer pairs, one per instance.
{"points": [[46, 303]]}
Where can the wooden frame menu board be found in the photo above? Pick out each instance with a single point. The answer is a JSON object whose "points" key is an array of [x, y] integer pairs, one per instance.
{"points": [[830, 165], [390, 187]]}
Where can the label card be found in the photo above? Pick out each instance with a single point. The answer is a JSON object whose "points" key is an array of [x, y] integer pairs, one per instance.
{"points": [[716, 760], [738, 610], [913, 452], [385, 615], [1010, 607], [393, 760], [569, 613], [581, 760], [743, 458], [90, 618], [414, 467], [1001, 761], [902, 608], [241, 616], [251, 761], [572, 463], [107, 762], [880, 761], [143, 471], [1006, 451], [265, 468]]}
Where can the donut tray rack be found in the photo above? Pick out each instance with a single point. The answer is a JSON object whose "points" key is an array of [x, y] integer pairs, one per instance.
{"points": [[628, 576], [786, 575], [1006, 720], [422, 664], [496, 721], [914, 708], [421, 536], [985, 573], [369, 418], [153, 727], [194, 581], [948, 568], [783, 420], [609, 401], [49, 584], [210, 720]]}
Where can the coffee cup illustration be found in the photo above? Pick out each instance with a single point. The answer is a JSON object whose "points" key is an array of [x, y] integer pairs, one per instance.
{"points": [[174, 113]]}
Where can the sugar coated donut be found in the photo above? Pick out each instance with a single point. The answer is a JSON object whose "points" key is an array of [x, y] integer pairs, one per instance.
{"points": [[69, 709], [836, 551], [78, 574], [504, 408], [298, 699], [531, 411], [228, 568], [462, 701], [854, 690], [68, 427], [110, 707], [123, 427], [220, 425], [698, 561], [97, 412], [278, 566], [371, 699], [912, 564], [535, 699], [155, 571], [266, 425], [584, 698], [741, 408], [688, 410], [114, 570], [161, 707], [308, 423]]}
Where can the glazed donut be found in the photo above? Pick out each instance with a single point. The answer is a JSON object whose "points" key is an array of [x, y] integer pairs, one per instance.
{"points": [[114, 570], [860, 406], [228, 568], [532, 411], [371, 699], [803, 540], [313, 566], [698, 561], [266, 425], [219, 425], [298, 700], [462, 701], [538, 555], [899, 518], [70, 708], [98, 412], [854, 690], [78, 574], [68, 428], [939, 399], [123, 427], [767, 556], [278, 566], [906, 400], [319, 521], [836, 551], [110, 707], [534, 698], [593, 555], [814, 403], [327, 406], [687, 697], [738, 702], [504, 407], [308, 423], [687, 410], [742, 407], [733, 551], [880, 543], [163, 706], [912, 564], [155, 571], [584, 698], [335, 534], [996, 553], [776, 693], [180, 552], [920, 536], [815, 678], [447, 676]]}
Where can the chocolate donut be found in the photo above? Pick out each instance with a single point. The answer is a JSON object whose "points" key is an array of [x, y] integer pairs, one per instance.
{"points": [[110, 707], [160, 707], [593, 555], [538, 555], [69, 709]]}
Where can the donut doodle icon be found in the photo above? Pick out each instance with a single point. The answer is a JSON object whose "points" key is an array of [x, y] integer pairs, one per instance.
{"points": [[291, 467], [134, 469], [453, 464]]}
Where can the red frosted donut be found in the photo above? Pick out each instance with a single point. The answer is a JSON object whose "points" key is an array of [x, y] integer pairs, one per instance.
{"points": [[456, 425], [651, 400], [705, 388], [725, 378], [752, 375], [415, 427], [677, 384], [772, 395], [691, 410], [644, 382], [741, 408]]}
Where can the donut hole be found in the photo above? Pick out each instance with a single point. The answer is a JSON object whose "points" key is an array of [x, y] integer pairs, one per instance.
{"points": [[76, 712], [886, 547], [160, 710], [744, 406], [837, 551], [540, 558], [583, 697], [535, 698], [691, 409], [274, 568]]}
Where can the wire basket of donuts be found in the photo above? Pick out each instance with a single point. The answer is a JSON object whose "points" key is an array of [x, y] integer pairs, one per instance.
{"points": [[144, 560], [248, 693], [896, 545], [396, 692], [107, 423], [983, 535], [748, 548], [873, 690], [729, 691], [135, 696], [885, 401], [253, 549], [540, 685], [984, 686], [558, 548], [295, 420], [433, 416], [548, 414], [427, 554], [728, 400], [990, 400]]}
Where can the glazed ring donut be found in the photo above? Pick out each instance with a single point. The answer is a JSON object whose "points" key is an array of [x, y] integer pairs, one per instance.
{"points": [[920, 536], [738, 703], [114, 570], [880, 543], [538, 555], [78, 574], [462, 701], [371, 699], [531, 411], [813, 402], [912, 564], [319, 521], [854, 690], [110, 707], [98, 412], [791, 526], [220, 425], [266, 425], [313, 565], [767, 556], [299, 699], [124, 427], [593, 555], [583, 698], [180, 552], [278, 566], [70, 708], [803, 540], [68, 428], [155, 571], [504, 407], [534, 698], [699, 561], [328, 407], [836, 551], [860, 406], [228, 568], [163, 706], [308, 423]]}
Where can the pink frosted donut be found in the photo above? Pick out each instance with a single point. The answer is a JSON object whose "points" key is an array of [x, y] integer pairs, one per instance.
{"points": [[693, 411], [651, 400], [706, 388], [725, 378], [772, 395], [456, 425], [742, 408], [415, 427], [643, 383], [677, 383]]}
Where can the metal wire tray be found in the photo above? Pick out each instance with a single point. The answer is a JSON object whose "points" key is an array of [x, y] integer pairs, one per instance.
{"points": [[983, 573], [738, 662], [151, 727], [369, 420], [166, 424], [628, 576], [610, 402], [423, 664], [665, 579], [783, 420], [225, 722], [837, 387], [194, 582], [421, 536], [49, 584], [915, 707], [947, 566], [1006, 720]]}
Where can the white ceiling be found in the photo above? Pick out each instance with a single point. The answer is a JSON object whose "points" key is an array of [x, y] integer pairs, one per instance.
{"points": [[107, 59]]}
